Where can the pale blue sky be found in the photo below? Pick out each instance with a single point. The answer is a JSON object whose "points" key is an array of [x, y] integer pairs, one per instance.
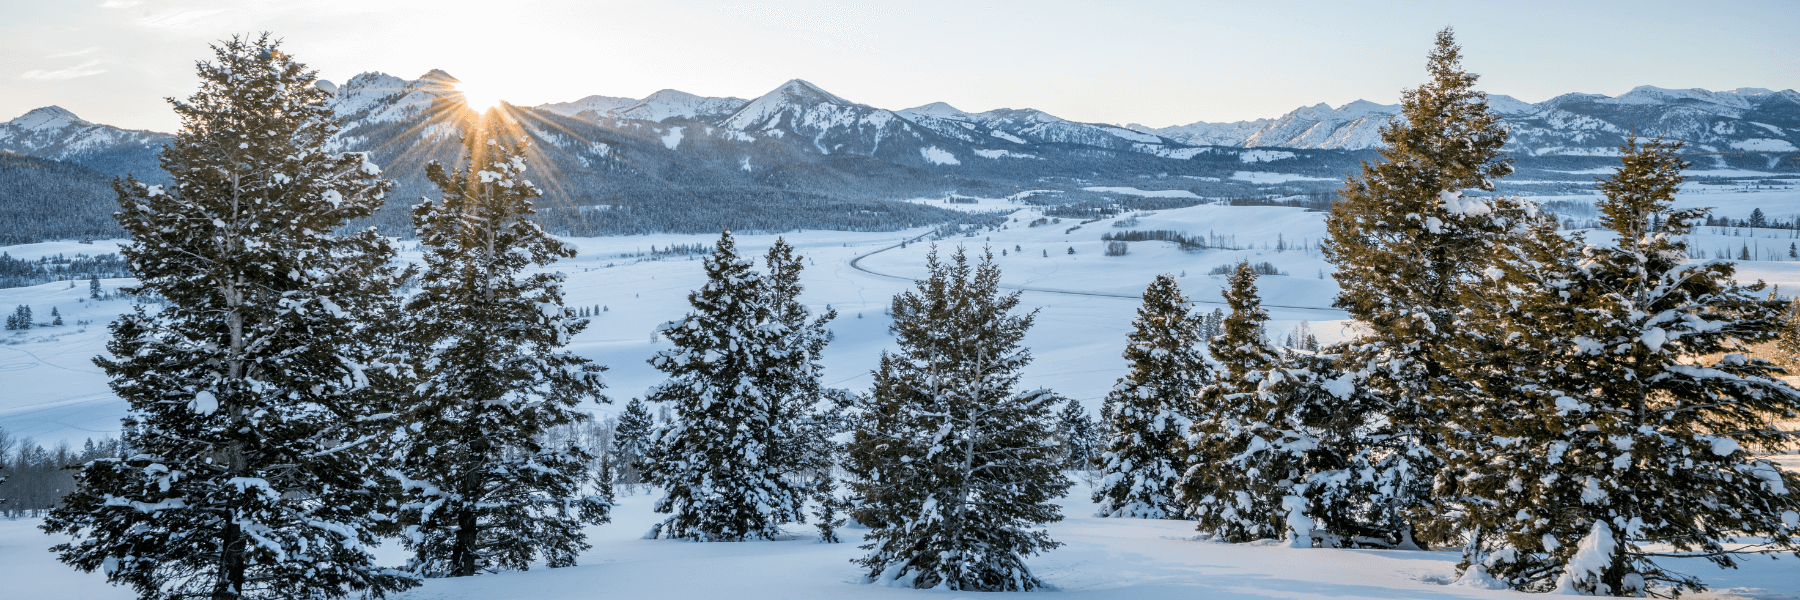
{"points": [[1156, 63]]}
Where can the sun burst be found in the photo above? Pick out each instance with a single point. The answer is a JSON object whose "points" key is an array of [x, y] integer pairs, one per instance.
{"points": [[477, 97]]}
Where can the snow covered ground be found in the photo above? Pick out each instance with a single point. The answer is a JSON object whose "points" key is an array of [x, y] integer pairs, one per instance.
{"points": [[51, 391], [1102, 559]]}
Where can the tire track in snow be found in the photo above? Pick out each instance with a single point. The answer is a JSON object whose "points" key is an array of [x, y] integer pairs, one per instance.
{"points": [[855, 263]]}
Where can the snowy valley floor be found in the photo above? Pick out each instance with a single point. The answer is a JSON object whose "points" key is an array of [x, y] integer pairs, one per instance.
{"points": [[1102, 559], [51, 391]]}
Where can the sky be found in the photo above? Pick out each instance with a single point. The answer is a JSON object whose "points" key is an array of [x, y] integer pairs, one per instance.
{"points": [[1157, 63]]}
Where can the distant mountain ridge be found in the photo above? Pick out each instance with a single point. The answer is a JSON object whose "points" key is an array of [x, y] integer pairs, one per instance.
{"points": [[800, 156], [57, 134], [1742, 120]]}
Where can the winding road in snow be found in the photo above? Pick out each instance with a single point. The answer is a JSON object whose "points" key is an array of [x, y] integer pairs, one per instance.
{"points": [[855, 263]]}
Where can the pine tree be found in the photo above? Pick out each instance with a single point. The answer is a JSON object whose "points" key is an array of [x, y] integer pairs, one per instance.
{"points": [[55, 317], [829, 515], [252, 393], [483, 491], [1080, 437], [717, 458], [955, 471], [20, 319], [805, 413], [94, 287], [632, 439], [1406, 242], [1260, 430], [1787, 343], [1152, 407], [1647, 411]]}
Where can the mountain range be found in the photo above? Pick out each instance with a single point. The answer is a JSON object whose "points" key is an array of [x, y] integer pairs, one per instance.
{"points": [[1740, 120], [800, 156]]}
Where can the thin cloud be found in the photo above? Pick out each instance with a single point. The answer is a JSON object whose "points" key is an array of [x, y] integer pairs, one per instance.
{"points": [[75, 53], [119, 3], [81, 70], [171, 20]]}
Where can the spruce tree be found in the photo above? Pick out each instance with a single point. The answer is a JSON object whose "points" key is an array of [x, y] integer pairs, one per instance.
{"points": [[484, 491], [1643, 414], [1152, 408], [253, 391], [1787, 343], [1080, 438], [632, 439], [1260, 432], [955, 470], [94, 287], [717, 458], [1406, 242], [805, 413]]}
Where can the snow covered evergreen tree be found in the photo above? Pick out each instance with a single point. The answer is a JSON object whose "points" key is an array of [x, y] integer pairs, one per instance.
{"points": [[251, 405], [1152, 408], [632, 439], [1640, 413], [806, 414], [484, 492], [1080, 436], [1787, 344], [1406, 242], [1259, 430], [731, 374], [955, 470]]}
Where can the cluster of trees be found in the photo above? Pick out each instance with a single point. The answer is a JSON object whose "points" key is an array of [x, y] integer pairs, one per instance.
{"points": [[21, 319], [33, 478], [289, 406], [1570, 415], [18, 272]]}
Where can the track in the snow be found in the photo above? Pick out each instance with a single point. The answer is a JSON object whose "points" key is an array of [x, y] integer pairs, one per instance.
{"points": [[854, 264]]}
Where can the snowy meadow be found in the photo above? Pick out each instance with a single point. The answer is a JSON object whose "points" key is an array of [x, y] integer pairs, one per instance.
{"points": [[1086, 301]]}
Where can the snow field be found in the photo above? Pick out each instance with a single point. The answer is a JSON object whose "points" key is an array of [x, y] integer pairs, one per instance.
{"points": [[1102, 559], [51, 391]]}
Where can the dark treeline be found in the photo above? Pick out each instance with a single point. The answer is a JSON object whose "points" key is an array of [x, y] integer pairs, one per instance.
{"points": [[33, 478], [1163, 235], [43, 199]]}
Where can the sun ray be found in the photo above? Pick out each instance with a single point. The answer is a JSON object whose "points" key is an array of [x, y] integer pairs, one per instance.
{"points": [[477, 97]]}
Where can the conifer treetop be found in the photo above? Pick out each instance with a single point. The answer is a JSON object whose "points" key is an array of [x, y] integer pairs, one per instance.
{"points": [[1644, 186], [1448, 137]]}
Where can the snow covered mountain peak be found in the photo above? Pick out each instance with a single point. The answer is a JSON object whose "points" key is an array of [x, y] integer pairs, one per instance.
{"points": [[801, 91], [54, 132], [1359, 108], [438, 76], [805, 106], [664, 104], [49, 117], [376, 97], [940, 110], [668, 104], [604, 105]]}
